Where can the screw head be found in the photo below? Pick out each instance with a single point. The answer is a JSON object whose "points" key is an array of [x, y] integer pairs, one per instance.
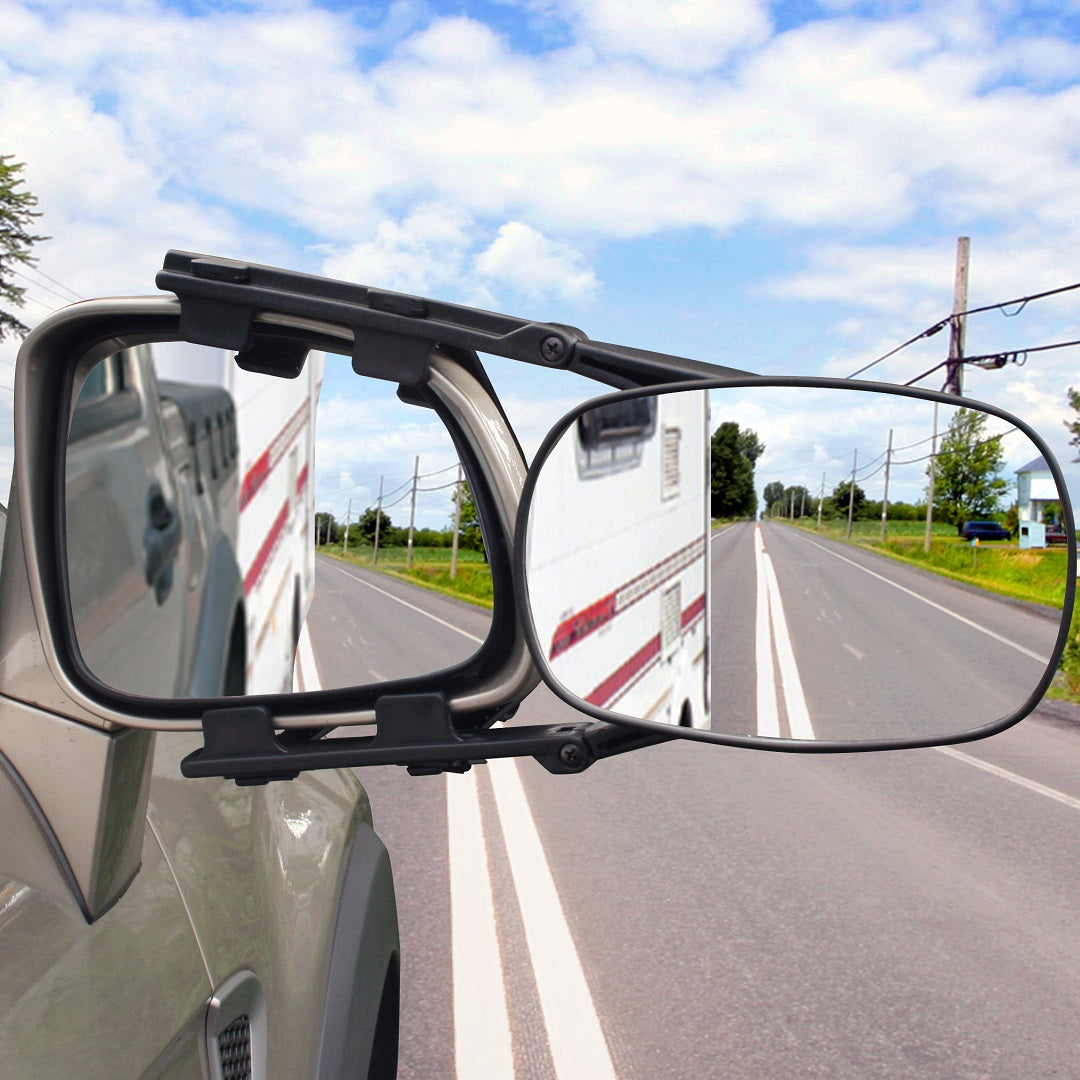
{"points": [[552, 349], [571, 756]]}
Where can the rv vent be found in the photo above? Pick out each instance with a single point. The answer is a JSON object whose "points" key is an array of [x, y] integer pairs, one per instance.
{"points": [[670, 480], [670, 620], [234, 1050]]}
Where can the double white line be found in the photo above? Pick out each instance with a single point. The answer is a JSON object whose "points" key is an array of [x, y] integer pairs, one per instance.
{"points": [[771, 636], [483, 1045]]}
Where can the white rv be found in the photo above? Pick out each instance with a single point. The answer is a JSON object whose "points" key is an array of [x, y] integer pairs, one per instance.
{"points": [[275, 537], [642, 578]]}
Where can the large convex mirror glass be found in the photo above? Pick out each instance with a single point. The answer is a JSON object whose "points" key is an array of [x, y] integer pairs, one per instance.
{"points": [[796, 562], [221, 528]]}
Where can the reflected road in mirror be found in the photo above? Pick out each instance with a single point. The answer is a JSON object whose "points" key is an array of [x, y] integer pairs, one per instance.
{"points": [[845, 644]]}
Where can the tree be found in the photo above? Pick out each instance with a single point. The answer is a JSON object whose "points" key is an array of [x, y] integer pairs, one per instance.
{"points": [[774, 496], [732, 471], [750, 446], [967, 485], [327, 530], [1074, 425], [842, 498], [471, 536], [16, 214], [365, 528], [797, 501]]}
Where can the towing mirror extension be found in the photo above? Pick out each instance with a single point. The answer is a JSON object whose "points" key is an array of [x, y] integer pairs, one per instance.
{"points": [[414, 730], [220, 301]]}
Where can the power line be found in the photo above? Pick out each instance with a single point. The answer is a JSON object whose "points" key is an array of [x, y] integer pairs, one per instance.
{"points": [[68, 295], [930, 331], [1019, 303]]}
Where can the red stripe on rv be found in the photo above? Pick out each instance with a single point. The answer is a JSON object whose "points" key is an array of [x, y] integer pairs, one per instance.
{"points": [[582, 624], [696, 609], [616, 682], [264, 465], [570, 631], [301, 480], [618, 679], [254, 479], [273, 537]]}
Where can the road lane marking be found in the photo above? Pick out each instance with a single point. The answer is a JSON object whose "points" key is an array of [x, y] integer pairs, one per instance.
{"points": [[482, 1044], [405, 603], [1013, 778], [1041, 657], [771, 631], [579, 1050], [794, 700], [306, 671], [768, 724]]}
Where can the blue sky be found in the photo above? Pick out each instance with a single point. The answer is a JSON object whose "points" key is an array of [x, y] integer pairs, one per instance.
{"points": [[774, 186]]}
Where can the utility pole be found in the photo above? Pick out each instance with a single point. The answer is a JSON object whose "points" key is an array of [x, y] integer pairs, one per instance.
{"points": [[378, 522], [932, 484], [821, 499], [348, 516], [412, 512], [954, 369], [457, 524], [885, 497], [851, 492]]}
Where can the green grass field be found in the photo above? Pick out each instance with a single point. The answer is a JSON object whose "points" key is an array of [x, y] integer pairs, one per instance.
{"points": [[430, 568], [1037, 575]]}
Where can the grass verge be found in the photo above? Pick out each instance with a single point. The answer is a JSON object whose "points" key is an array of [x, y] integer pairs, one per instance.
{"points": [[1036, 575], [430, 569]]}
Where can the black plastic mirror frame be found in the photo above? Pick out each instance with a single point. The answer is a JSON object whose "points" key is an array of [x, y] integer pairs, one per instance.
{"points": [[757, 742], [76, 355]]}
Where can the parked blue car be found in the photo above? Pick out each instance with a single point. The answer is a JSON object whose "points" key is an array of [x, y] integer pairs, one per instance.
{"points": [[984, 530]]}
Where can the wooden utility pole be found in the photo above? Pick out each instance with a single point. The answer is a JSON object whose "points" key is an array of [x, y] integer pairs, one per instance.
{"points": [[954, 377], [412, 512], [457, 524], [378, 522], [885, 497], [851, 492]]}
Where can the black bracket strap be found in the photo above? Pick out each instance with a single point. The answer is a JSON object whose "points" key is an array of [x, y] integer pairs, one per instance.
{"points": [[414, 730]]}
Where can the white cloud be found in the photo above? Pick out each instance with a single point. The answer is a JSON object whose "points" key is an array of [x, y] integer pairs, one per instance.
{"points": [[424, 253], [457, 164], [842, 123], [678, 35], [535, 265]]}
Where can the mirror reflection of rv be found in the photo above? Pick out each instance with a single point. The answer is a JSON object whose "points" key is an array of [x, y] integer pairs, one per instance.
{"points": [[630, 569]]}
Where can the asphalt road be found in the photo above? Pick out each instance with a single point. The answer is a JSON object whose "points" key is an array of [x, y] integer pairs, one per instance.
{"points": [[697, 911], [881, 649]]}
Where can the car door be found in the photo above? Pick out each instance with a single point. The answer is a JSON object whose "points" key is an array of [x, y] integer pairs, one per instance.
{"points": [[121, 997], [128, 586]]}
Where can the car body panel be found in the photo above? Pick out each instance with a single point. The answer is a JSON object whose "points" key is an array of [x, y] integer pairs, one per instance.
{"points": [[111, 998]]}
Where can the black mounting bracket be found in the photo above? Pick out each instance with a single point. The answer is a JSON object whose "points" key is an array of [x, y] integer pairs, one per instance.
{"points": [[220, 300], [414, 730]]}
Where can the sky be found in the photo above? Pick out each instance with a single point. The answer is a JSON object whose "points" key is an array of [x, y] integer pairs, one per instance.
{"points": [[774, 186]]}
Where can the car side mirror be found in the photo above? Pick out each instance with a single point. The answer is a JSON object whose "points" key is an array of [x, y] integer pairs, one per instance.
{"points": [[777, 563]]}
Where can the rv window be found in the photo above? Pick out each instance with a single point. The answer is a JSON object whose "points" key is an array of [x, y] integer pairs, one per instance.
{"points": [[622, 421]]}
